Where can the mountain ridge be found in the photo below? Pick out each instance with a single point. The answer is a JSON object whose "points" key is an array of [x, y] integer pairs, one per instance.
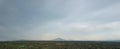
{"points": [[59, 39]]}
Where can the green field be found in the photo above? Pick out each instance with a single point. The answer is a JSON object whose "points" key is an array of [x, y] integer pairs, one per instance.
{"points": [[59, 45]]}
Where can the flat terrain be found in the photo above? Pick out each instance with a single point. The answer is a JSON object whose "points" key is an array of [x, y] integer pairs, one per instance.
{"points": [[59, 45]]}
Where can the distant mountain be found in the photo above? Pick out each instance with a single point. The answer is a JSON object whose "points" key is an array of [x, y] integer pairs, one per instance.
{"points": [[115, 40], [59, 39]]}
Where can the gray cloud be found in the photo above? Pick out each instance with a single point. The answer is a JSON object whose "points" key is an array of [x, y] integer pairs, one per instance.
{"points": [[35, 19]]}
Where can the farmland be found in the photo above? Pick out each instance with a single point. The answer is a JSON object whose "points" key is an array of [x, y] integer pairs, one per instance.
{"points": [[59, 45]]}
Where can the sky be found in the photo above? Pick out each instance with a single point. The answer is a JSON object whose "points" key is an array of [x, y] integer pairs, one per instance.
{"points": [[67, 19]]}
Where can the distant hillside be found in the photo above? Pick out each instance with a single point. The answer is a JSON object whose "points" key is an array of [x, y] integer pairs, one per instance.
{"points": [[59, 39]]}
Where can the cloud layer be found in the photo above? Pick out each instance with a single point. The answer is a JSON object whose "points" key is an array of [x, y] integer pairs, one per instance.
{"points": [[68, 19]]}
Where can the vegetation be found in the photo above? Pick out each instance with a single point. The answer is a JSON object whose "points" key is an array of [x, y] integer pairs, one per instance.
{"points": [[58, 45]]}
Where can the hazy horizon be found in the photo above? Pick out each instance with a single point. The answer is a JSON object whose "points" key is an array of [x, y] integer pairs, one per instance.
{"points": [[67, 19]]}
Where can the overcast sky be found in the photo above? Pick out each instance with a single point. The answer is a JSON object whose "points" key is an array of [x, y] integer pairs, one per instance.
{"points": [[67, 19]]}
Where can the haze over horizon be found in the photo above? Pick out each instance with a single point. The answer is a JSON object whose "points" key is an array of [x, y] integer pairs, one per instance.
{"points": [[67, 19]]}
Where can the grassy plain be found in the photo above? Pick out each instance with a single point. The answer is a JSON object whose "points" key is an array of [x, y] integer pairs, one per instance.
{"points": [[59, 45]]}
